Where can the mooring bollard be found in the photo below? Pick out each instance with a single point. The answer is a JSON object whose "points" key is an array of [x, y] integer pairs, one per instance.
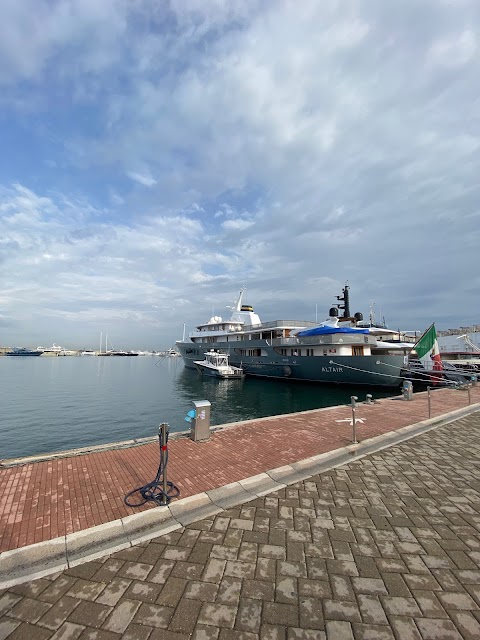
{"points": [[429, 402], [469, 398], [354, 424], [369, 399]]}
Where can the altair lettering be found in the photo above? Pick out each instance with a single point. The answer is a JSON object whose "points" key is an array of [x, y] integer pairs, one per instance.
{"points": [[332, 370]]}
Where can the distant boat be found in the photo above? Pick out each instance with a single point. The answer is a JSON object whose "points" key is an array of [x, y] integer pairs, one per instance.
{"points": [[22, 351], [216, 365], [88, 352]]}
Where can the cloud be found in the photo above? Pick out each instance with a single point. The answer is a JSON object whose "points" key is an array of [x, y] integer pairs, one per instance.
{"points": [[146, 180], [285, 149]]}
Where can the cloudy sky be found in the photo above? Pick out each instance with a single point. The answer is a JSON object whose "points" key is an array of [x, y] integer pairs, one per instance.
{"points": [[158, 156]]}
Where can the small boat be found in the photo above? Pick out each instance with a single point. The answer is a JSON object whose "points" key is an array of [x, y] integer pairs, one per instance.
{"points": [[216, 365], [22, 351]]}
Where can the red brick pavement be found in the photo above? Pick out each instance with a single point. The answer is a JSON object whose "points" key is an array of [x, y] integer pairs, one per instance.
{"points": [[43, 500]]}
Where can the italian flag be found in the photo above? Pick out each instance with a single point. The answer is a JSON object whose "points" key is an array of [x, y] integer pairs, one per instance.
{"points": [[428, 352]]}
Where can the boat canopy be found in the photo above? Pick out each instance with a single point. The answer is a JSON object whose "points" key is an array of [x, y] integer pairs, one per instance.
{"points": [[328, 330]]}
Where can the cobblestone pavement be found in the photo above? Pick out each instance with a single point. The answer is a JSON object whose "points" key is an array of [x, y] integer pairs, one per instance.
{"points": [[386, 547]]}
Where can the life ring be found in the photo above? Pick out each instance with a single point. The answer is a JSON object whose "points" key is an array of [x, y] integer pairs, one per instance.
{"points": [[287, 371]]}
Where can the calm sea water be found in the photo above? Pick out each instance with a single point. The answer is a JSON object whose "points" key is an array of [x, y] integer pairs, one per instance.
{"points": [[52, 404]]}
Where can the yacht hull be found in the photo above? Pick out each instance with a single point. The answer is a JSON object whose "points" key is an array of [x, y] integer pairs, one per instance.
{"points": [[372, 370]]}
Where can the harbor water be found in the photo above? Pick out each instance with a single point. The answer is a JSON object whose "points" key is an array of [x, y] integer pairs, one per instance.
{"points": [[59, 403]]}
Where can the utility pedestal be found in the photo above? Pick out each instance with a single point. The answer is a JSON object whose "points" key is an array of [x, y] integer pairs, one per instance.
{"points": [[200, 429], [407, 390]]}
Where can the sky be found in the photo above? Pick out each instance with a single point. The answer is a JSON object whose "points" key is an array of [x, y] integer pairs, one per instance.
{"points": [[158, 156]]}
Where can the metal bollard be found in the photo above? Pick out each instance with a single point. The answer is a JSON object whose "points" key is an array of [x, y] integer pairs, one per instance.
{"points": [[369, 399], [407, 390], [473, 380], [429, 402], [354, 424], [469, 398], [163, 428]]}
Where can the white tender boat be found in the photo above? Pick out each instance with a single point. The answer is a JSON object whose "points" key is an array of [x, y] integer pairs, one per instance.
{"points": [[216, 365]]}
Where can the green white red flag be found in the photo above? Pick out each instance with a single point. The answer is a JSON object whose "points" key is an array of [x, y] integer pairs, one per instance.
{"points": [[428, 351]]}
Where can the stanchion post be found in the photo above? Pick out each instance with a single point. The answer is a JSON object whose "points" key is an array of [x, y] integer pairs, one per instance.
{"points": [[354, 424], [163, 440], [469, 398], [429, 403]]}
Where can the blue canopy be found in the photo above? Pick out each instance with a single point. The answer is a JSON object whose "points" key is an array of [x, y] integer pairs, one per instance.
{"points": [[325, 330]]}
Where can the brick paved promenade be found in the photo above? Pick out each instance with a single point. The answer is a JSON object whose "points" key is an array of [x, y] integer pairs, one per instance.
{"points": [[56, 497], [385, 547]]}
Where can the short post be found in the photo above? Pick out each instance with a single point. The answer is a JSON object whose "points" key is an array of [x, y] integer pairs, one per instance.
{"points": [[469, 398], [354, 424], [429, 402], [369, 399], [201, 420], [163, 440], [474, 381]]}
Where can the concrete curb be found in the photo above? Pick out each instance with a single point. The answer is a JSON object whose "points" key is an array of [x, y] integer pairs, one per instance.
{"points": [[44, 558]]}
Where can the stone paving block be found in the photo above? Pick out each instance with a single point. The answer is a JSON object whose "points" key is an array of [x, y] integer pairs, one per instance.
{"points": [[172, 591], [203, 632], [460, 601], [111, 593], [8, 626], [121, 616], [404, 628], [7, 601], [217, 615], [341, 610], [29, 610], [280, 614], [248, 615], [92, 613], [203, 591], [396, 585], [431, 629], [143, 591], [154, 615], [371, 609], [68, 631], [59, 612], [338, 630], [27, 631], [258, 590], [229, 591], [467, 624], [311, 614], [185, 616], [429, 604]]}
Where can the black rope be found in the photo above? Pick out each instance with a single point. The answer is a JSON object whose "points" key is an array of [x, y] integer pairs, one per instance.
{"points": [[154, 491]]}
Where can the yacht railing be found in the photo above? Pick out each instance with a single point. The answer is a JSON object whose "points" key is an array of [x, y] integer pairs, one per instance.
{"points": [[338, 339], [306, 324]]}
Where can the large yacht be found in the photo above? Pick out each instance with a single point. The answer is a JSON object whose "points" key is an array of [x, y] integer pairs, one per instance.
{"points": [[336, 351]]}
